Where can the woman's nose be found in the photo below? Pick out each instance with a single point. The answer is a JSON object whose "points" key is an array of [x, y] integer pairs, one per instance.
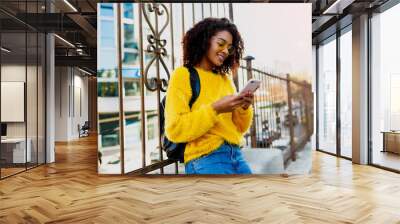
{"points": [[226, 51]]}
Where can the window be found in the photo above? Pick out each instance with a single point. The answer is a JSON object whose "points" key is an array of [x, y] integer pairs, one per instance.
{"points": [[129, 37], [131, 73], [394, 101], [107, 34], [132, 87], [106, 9], [109, 130], [107, 89], [130, 58], [346, 94], [107, 74], [151, 131], [128, 10], [327, 96], [385, 87], [108, 60]]}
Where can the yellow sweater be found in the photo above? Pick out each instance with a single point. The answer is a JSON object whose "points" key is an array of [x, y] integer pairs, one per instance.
{"points": [[201, 127]]}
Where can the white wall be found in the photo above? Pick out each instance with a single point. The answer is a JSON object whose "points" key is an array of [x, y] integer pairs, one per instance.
{"points": [[71, 102], [15, 73], [61, 103], [80, 109], [33, 126]]}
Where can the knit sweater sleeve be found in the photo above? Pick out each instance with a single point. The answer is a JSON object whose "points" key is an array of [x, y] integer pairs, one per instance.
{"points": [[181, 123], [242, 118]]}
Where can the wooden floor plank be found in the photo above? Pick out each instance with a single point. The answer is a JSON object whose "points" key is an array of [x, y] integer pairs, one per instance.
{"points": [[70, 191]]}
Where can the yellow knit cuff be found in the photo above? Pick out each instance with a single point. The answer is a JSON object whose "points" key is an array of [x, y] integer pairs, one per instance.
{"points": [[242, 111]]}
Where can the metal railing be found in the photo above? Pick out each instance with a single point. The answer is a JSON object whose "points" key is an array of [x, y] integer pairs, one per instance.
{"points": [[283, 110]]}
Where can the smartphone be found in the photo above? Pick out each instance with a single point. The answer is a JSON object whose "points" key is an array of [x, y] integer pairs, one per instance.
{"points": [[252, 85]]}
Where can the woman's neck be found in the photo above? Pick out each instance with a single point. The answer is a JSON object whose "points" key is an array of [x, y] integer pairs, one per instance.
{"points": [[205, 65]]}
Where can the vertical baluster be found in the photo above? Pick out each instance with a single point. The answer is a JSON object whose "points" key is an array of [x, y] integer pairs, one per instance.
{"points": [[290, 112], [120, 91], [268, 112], [253, 127], [142, 86]]}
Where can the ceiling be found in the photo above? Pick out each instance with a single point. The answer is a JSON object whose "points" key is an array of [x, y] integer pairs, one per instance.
{"points": [[76, 24], [329, 16]]}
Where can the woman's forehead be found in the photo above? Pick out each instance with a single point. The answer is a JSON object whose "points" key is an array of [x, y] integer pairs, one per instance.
{"points": [[224, 36]]}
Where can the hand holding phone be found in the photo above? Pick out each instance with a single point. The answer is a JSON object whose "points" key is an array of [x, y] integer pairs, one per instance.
{"points": [[251, 86], [248, 91], [227, 104]]}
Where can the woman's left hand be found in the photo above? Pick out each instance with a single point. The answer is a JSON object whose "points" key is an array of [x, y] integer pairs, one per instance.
{"points": [[248, 99]]}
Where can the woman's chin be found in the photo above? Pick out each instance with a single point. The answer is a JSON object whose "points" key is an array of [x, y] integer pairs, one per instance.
{"points": [[218, 63]]}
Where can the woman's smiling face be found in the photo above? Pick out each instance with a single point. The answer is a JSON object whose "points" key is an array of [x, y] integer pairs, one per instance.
{"points": [[220, 48]]}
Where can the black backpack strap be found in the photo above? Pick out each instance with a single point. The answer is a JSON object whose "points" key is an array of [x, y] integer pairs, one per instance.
{"points": [[194, 84]]}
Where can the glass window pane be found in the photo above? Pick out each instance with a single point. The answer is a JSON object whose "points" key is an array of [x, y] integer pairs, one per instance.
{"points": [[129, 37], [386, 88], [108, 89], [346, 94], [132, 87], [327, 97], [130, 58], [128, 10], [17, 151], [107, 60], [106, 9], [131, 73], [107, 34], [31, 100]]}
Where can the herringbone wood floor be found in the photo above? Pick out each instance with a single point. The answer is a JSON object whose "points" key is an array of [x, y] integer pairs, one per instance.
{"points": [[70, 191]]}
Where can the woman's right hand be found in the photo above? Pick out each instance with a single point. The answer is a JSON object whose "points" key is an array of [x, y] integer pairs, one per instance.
{"points": [[228, 103]]}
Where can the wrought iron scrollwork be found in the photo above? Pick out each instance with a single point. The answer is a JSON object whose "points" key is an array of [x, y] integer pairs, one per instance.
{"points": [[156, 46]]}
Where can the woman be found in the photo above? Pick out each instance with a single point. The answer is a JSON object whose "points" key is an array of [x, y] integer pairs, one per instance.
{"points": [[214, 126]]}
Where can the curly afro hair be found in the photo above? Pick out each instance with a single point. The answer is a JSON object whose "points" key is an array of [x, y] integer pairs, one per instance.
{"points": [[196, 43]]}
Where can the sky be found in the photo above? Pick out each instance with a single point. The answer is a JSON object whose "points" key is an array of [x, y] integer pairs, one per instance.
{"points": [[277, 35]]}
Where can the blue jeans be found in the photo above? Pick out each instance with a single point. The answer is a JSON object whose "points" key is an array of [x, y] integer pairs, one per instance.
{"points": [[227, 159]]}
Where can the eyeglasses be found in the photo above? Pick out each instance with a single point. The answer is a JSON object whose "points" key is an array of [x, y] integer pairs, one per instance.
{"points": [[231, 49], [222, 45]]}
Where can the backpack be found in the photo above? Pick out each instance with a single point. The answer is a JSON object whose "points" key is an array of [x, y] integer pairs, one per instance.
{"points": [[175, 150]]}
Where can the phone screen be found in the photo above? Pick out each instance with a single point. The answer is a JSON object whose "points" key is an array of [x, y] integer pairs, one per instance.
{"points": [[251, 86]]}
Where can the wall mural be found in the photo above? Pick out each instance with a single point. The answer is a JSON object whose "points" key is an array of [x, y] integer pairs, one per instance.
{"points": [[140, 62]]}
